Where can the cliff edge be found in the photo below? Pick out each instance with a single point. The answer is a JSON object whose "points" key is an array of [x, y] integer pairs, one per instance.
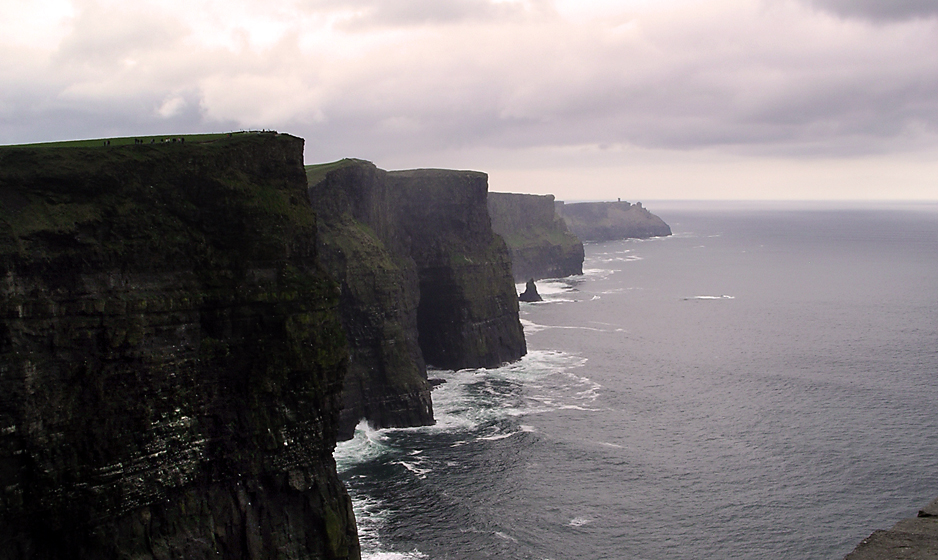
{"points": [[606, 221], [540, 244], [170, 356]]}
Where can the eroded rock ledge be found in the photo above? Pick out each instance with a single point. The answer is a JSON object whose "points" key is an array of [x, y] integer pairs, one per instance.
{"points": [[170, 356]]}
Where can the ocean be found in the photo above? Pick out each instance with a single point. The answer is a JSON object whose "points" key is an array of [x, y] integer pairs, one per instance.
{"points": [[762, 384]]}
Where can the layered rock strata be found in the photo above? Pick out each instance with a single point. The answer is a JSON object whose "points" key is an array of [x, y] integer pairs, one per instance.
{"points": [[170, 356], [541, 246], [915, 538], [606, 221], [445, 296]]}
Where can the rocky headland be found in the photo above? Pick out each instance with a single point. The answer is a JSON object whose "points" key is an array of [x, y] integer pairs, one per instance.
{"points": [[423, 280], [606, 221], [541, 246], [171, 359]]}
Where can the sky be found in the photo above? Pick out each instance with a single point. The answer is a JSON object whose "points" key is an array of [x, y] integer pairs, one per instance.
{"points": [[584, 99]]}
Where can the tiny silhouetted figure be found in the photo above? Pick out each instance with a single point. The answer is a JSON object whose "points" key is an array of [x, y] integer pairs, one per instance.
{"points": [[618, 200], [530, 292]]}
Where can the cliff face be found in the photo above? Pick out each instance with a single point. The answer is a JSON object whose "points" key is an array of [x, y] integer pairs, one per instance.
{"points": [[468, 312], [170, 357], [541, 246], [423, 278], [604, 221], [380, 291]]}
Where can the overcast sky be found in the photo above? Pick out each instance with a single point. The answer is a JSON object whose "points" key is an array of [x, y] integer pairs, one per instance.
{"points": [[586, 99]]}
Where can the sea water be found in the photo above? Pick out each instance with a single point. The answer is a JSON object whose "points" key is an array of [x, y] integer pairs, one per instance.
{"points": [[762, 384]]}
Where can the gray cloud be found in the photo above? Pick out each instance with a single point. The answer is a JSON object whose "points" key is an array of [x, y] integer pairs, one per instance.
{"points": [[379, 13], [785, 83], [880, 10]]}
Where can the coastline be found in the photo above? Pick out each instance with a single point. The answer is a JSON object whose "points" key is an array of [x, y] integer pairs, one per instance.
{"points": [[911, 538]]}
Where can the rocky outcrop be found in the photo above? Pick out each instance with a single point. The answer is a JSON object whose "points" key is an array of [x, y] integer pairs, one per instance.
{"points": [[915, 538], [423, 278], [605, 221], [541, 246], [530, 294], [170, 357]]}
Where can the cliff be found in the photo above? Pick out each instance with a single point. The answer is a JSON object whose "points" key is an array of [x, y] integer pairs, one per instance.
{"points": [[540, 244], [468, 312], [913, 538], [380, 291], [441, 291], [170, 357], [605, 221]]}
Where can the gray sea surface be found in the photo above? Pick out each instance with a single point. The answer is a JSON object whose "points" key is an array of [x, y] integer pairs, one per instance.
{"points": [[762, 384]]}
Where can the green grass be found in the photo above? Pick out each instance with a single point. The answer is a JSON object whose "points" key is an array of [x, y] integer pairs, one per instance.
{"points": [[129, 140], [316, 173]]}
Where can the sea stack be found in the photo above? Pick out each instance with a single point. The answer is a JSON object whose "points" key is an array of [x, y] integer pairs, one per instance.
{"points": [[530, 292]]}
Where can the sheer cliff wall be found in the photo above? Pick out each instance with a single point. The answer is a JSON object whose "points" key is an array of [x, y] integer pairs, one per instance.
{"points": [[380, 292], [170, 356], [540, 244], [424, 279], [605, 221], [468, 312]]}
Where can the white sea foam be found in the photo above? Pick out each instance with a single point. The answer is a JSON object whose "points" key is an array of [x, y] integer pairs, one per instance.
{"points": [[496, 437], [709, 297], [367, 444], [540, 382], [505, 536], [370, 517], [381, 555], [414, 468], [579, 521]]}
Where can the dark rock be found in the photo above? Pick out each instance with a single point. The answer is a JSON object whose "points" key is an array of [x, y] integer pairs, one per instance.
{"points": [[530, 292], [468, 312], [541, 246], [170, 357], [423, 278], [380, 290], [605, 221], [931, 510]]}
